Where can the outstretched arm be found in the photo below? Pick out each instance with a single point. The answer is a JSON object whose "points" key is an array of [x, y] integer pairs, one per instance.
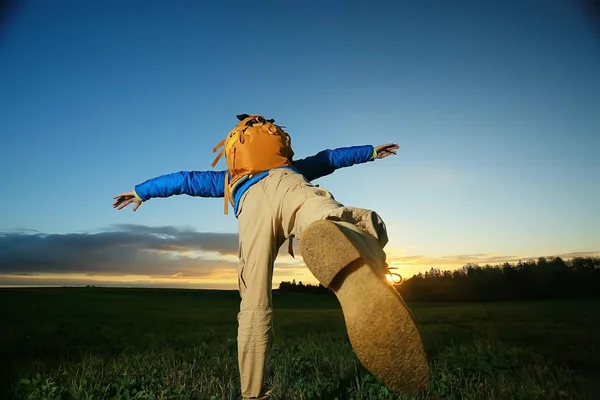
{"points": [[192, 183], [327, 161]]}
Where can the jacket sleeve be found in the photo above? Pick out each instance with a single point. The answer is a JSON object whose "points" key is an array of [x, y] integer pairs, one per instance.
{"points": [[192, 183], [327, 161]]}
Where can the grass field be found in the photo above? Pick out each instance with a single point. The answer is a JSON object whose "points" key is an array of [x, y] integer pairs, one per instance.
{"points": [[96, 343]]}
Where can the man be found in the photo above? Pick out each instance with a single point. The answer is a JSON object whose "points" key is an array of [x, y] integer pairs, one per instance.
{"points": [[273, 199]]}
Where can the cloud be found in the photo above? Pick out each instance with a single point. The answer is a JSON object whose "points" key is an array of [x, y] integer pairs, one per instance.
{"points": [[123, 249], [158, 253]]}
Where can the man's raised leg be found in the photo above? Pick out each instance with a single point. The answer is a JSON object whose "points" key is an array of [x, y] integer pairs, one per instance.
{"points": [[343, 248]]}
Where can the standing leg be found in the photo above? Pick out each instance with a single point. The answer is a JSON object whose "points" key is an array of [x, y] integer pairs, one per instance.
{"points": [[343, 248], [259, 242]]}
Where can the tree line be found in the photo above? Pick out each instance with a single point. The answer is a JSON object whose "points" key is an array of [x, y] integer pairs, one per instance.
{"points": [[293, 287], [544, 278]]}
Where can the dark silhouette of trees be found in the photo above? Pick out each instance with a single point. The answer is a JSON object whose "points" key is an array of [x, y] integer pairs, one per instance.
{"points": [[293, 287], [545, 278]]}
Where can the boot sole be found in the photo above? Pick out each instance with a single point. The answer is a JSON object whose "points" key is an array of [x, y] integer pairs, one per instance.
{"points": [[381, 329]]}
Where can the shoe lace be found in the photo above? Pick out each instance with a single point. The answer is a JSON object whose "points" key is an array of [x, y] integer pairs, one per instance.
{"points": [[394, 278]]}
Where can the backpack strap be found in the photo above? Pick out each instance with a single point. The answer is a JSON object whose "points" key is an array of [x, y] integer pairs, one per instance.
{"points": [[221, 143], [218, 157], [291, 247], [227, 193]]}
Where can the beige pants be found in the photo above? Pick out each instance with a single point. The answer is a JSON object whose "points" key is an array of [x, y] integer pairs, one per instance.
{"points": [[281, 205]]}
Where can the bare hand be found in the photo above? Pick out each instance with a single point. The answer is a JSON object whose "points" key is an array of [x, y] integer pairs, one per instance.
{"points": [[125, 199], [386, 150]]}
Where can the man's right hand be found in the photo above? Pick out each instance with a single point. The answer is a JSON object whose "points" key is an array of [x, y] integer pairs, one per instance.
{"points": [[386, 150], [125, 199]]}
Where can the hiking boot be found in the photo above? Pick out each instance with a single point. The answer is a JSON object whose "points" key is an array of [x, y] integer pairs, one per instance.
{"points": [[381, 328]]}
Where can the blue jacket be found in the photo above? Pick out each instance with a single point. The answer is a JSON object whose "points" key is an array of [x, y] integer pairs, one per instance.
{"points": [[212, 183]]}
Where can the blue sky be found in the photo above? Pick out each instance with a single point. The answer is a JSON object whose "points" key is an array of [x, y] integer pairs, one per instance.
{"points": [[494, 106]]}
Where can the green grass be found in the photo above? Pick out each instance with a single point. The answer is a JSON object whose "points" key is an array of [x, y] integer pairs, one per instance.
{"points": [[94, 343]]}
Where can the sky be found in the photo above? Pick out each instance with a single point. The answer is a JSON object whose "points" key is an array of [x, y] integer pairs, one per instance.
{"points": [[494, 106]]}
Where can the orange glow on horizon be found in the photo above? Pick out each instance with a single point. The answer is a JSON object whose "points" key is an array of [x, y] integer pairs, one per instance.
{"points": [[225, 276]]}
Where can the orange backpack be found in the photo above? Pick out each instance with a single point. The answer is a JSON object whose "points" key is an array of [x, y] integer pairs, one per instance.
{"points": [[255, 145]]}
